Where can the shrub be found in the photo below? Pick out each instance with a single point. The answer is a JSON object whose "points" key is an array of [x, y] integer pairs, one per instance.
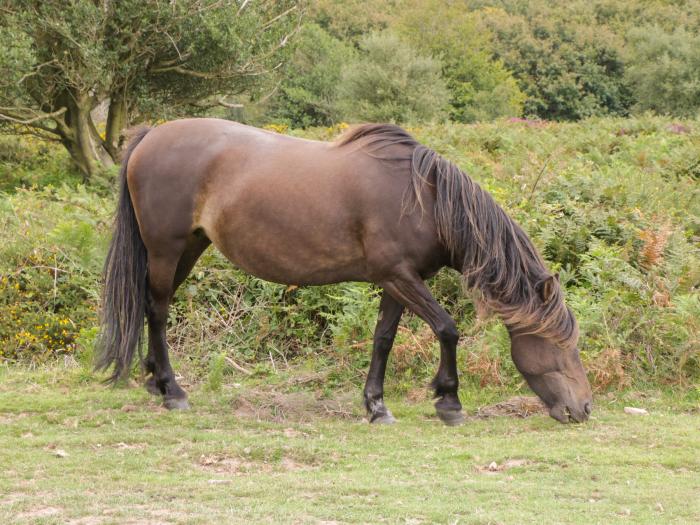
{"points": [[308, 93], [664, 70], [480, 88], [391, 82], [52, 250], [568, 70]]}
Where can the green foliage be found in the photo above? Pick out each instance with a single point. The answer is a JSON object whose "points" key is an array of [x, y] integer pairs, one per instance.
{"points": [[480, 88], [52, 250], [611, 203], [567, 70], [350, 20], [28, 161], [136, 59], [664, 70], [308, 92], [391, 82]]}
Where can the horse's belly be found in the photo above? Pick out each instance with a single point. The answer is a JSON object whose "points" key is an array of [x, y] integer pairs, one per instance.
{"points": [[276, 261], [290, 248]]}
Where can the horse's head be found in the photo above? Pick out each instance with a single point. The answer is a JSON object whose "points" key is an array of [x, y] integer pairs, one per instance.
{"points": [[554, 370], [556, 375]]}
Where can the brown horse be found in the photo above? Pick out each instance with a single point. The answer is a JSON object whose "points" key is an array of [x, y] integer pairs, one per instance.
{"points": [[373, 206]]}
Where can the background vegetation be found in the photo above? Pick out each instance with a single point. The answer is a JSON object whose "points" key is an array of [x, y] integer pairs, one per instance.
{"points": [[581, 118], [611, 203]]}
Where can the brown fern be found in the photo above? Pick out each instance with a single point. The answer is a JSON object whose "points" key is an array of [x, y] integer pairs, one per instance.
{"points": [[652, 252]]}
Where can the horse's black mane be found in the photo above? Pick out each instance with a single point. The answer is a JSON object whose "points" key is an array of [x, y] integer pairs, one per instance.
{"points": [[495, 255]]}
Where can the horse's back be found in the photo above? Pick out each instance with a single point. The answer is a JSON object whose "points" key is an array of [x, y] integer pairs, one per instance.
{"points": [[285, 209]]}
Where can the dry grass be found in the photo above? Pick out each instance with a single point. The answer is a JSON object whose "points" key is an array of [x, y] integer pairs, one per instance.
{"points": [[412, 347], [298, 407], [518, 406], [485, 367], [607, 370]]}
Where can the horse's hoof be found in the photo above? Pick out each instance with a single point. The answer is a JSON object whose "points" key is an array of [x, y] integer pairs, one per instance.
{"points": [[383, 419], [176, 403], [451, 418], [151, 386]]}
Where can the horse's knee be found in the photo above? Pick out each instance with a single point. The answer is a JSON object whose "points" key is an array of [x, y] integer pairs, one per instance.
{"points": [[447, 332]]}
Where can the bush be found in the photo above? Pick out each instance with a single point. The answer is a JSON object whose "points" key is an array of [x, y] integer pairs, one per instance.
{"points": [[568, 66], [664, 70], [308, 93], [52, 250], [391, 82], [27, 161], [480, 88]]}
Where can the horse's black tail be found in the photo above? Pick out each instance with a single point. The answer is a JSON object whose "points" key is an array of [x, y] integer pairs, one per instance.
{"points": [[124, 276]]}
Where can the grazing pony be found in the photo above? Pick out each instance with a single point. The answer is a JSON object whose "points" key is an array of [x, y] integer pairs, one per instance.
{"points": [[374, 205]]}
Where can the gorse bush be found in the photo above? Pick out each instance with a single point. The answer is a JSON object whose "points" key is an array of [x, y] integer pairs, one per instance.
{"points": [[611, 203], [53, 246]]}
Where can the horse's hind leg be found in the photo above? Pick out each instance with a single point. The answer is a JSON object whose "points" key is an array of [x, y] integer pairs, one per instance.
{"points": [[388, 321], [162, 380], [412, 292]]}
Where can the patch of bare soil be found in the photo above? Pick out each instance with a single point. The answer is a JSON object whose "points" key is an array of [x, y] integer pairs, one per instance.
{"points": [[494, 468], [222, 463], [11, 498], [518, 406], [299, 407], [39, 512], [88, 520]]}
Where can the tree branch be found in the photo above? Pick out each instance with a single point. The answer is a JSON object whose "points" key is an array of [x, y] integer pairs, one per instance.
{"points": [[30, 121]]}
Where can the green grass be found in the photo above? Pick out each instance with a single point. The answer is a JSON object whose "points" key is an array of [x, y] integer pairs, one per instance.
{"points": [[72, 450]]}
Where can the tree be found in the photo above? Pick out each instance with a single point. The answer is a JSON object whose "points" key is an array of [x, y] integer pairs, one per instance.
{"points": [[351, 20], [664, 70], [308, 92], [136, 58], [569, 68], [391, 82], [481, 88]]}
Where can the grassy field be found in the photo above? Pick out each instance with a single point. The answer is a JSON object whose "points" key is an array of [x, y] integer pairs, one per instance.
{"points": [[74, 451]]}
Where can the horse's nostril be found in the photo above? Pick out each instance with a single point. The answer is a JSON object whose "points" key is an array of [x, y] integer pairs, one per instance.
{"points": [[587, 408]]}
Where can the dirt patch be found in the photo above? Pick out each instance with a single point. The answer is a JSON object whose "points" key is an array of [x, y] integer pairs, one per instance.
{"points": [[221, 463], [300, 407], [225, 464], [11, 499], [88, 520], [518, 406], [130, 446], [40, 512], [8, 418], [494, 467]]}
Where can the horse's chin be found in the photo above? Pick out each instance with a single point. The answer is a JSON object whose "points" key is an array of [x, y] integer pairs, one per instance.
{"points": [[560, 413], [564, 414]]}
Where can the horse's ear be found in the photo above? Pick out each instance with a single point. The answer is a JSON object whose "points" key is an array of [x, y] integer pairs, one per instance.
{"points": [[556, 276], [547, 288]]}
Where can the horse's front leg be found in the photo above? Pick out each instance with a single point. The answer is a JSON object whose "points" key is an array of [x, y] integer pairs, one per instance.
{"points": [[411, 291], [385, 331]]}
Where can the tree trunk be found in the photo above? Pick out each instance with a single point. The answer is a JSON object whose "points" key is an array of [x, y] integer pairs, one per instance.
{"points": [[80, 137], [117, 117]]}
